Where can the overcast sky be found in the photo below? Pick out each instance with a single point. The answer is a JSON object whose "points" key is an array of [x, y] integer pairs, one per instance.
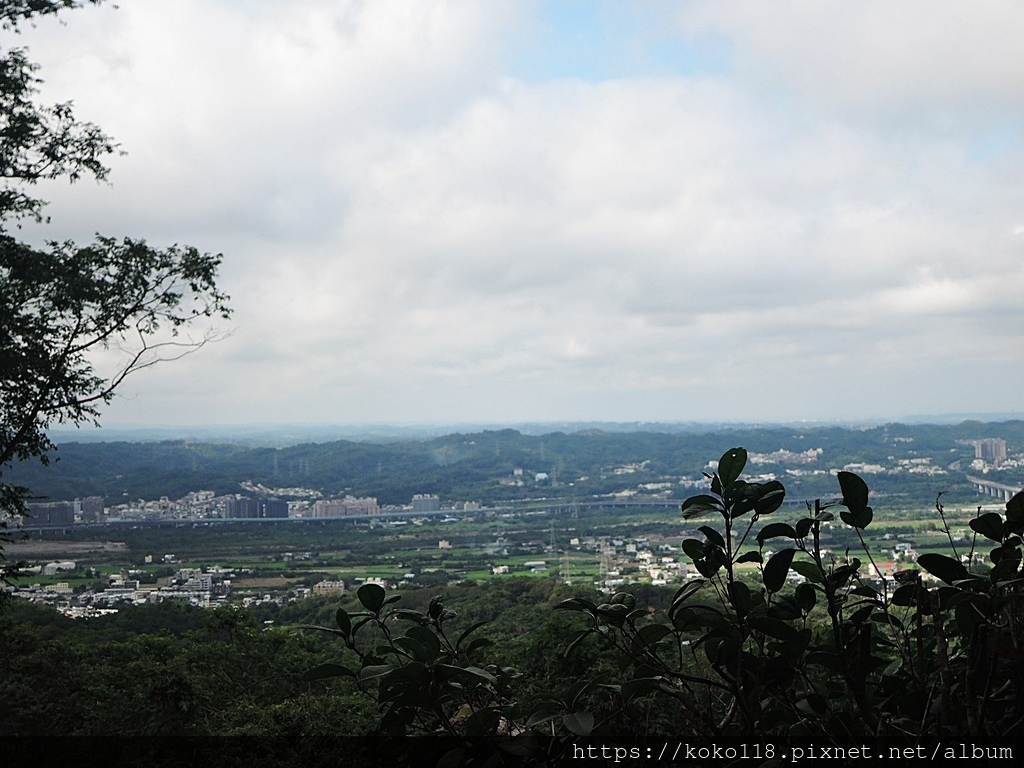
{"points": [[506, 211]]}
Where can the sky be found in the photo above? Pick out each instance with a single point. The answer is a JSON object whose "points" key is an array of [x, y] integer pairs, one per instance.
{"points": [[565, 211]]}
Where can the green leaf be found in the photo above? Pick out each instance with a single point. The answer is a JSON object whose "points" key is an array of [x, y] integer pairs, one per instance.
{"points": [[739, 596], [806, 595], [773, 493], [814, 706], [967, 617], [329, 630], [327, 671], [905, 594], [777, 629], [468, 632], [803, 527], [624, 598], [860, 519], [577, 604], [707, 568], [808, 570], [731, 465], [784, 607], [989, 525], [861, 615], [722, 650], [405, 614], [775, 530], [699, 505], [694, 548], [683, 619], [414, 649], [435, 610], [828, 659], [371, 596], [1015, 508], [375, 670], [706, 616], [945, 568], [540, 717], [640, 686], [652, 633], [881, 617], [576, 641], [855, 492], [344, 622], [612, 614], [741, 495], [479, 642], [577, 691], [466, 675], [428, 639], [776, 569], [687, 591], [482, 724], [1007, 562], [713, 536], [753, 556], [636, 613], [865, 591], [716, 483], [579, 723]]}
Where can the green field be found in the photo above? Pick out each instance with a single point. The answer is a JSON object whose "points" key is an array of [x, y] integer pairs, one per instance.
{"points": [[290, 556]]}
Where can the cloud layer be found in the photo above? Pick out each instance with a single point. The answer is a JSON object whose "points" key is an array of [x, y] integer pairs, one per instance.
{"points": [[824, 222]]}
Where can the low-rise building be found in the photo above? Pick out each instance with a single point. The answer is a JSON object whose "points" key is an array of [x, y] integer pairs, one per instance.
{"points": [[329, 588]]}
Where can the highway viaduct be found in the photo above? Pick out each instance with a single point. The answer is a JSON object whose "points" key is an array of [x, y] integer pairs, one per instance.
{"points": [[993, 488]]}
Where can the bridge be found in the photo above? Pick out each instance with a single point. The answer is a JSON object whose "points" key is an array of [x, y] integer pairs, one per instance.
{"points": [[993, 488]]}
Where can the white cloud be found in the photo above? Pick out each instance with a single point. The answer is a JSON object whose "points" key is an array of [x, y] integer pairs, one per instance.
{"points": [[412, 234], [936, 56]]}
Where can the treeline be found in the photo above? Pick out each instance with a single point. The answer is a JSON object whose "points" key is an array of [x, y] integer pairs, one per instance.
{"points": [[468, 466], [171, 684]]}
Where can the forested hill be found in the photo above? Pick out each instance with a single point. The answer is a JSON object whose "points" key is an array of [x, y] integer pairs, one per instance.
{"points": [[472, 466]]}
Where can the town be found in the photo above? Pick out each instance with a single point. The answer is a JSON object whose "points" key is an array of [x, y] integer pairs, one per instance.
{"points": [[633, 535]]}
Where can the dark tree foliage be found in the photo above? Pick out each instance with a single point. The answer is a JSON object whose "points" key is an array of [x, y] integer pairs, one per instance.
{"points": [[37, 141], [63, 304]]}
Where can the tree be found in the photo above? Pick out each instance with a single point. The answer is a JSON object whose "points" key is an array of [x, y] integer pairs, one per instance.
{"points": [[37, 141], [62, 306]]}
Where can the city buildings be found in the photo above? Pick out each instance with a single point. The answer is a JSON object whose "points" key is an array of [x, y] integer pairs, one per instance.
{"points": [[53, 513], [249, 508], [990, 449], [346, 507], [425, 502]]}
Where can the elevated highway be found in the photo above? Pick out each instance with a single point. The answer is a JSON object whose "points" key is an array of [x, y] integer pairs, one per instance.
{"points": [[993, 488]]}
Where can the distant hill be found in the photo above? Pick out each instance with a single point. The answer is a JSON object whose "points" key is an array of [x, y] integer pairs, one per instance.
{"points": [[481, 465], [284, 435]]}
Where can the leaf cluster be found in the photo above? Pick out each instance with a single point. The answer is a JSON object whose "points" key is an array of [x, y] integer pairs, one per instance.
{"points": [[849, 655], [434, 695]]}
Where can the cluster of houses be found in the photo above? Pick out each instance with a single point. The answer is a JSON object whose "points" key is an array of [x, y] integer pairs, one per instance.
{"points": [[202, 587]]}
